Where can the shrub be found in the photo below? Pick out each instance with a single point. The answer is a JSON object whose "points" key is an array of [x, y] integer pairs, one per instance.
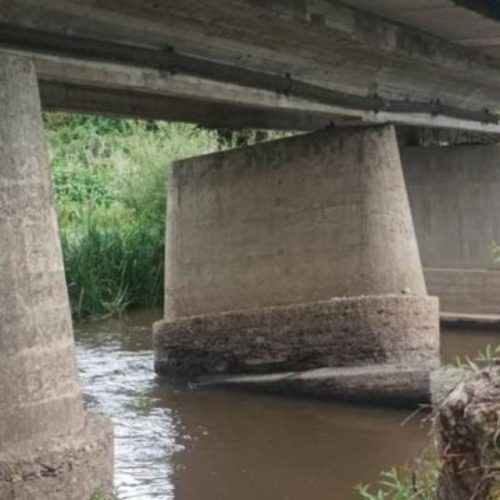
{"points": [[109, 179], [419, 484]]}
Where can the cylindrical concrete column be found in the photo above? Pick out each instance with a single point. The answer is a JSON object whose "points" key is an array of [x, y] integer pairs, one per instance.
{"points": [[41, 412], [294, 254]]}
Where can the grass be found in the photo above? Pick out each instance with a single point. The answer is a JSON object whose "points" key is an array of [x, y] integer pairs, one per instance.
{"points": [[97, 495], [418, 484], [109, 178]]}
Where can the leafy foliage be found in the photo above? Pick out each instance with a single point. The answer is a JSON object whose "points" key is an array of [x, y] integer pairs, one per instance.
{"points": [[109, 179], [419, 484]]}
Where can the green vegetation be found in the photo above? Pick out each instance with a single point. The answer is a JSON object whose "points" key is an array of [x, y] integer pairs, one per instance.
{"points": [[483, 358], [419, 484], [109, 178], [97, 495]]}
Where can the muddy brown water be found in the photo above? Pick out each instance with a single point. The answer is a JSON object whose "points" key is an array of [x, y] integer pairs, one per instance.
{"points": [[173, 441]]}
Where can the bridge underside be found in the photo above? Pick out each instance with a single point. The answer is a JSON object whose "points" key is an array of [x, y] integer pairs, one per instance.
{"points": [[298, 254], [298, 64]]}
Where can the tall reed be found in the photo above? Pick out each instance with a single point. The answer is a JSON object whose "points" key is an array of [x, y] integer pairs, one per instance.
{"points": [[109, 180]]}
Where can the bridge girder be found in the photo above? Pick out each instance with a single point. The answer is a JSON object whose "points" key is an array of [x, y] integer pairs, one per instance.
{"points": [[241, 63]]}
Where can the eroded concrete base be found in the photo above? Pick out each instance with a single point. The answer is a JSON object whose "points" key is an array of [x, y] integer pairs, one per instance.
{"points": [[385, 329], [372, 384], [72, 467]]}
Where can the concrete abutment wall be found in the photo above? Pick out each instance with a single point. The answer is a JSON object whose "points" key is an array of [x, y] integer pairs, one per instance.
{"points": [[455, 199], [294, 254], [49, 447]]}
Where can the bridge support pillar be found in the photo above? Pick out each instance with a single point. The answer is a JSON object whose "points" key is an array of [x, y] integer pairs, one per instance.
{"points": [[294, 255], [455, 199], [49, 447]]}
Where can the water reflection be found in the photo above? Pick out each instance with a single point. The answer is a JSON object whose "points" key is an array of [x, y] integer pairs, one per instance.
{"points": [[264, 447], [206, 444], [117, 379], [465, 343]]}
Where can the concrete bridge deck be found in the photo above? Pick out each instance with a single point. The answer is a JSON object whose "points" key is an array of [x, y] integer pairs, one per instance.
{"points": [[279, 64]]}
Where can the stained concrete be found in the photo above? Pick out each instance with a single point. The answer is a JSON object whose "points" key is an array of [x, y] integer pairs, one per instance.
{"points": [[395, 385], [339, 332], [292, 255], [40, 404], [455, 199], [290, 221], [70, 468]]}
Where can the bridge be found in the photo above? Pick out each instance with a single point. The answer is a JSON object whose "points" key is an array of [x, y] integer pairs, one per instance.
{"points": [[294, 265], [267, 64]]}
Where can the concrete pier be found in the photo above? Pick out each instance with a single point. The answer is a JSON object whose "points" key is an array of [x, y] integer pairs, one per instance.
{"points": [[455, 199], [294, 255], [49, 447]]}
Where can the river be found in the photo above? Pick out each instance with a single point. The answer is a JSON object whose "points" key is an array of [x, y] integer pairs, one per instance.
{"points": [[173, 441]]}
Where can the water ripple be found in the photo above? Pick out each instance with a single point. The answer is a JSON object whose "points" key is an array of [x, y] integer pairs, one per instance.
{"points": [[119, 383]]}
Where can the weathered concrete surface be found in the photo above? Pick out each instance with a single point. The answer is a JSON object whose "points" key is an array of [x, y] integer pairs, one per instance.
{"points": [[360, 66], [40, 403], [339, 332], [455, 199], [292, 255], [291, 221], [73, 468], [391, 384]]}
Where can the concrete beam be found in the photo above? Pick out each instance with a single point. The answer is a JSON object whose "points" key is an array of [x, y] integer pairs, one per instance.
{"points": [[122, 90], [488, 8], [315, 51], [130, 103]]}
